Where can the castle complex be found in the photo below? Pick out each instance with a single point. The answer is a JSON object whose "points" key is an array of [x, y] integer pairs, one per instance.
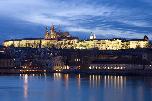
{"points": [[63, 40]]}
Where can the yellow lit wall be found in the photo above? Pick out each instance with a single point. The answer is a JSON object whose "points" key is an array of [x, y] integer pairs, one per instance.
{"points": [[114, 44]]}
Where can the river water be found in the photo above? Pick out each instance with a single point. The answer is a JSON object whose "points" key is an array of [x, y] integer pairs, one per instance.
{"points": [[66, 87]]}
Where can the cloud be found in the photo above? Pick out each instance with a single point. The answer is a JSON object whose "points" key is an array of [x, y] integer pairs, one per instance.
{"points": [[19, 7], [45, 20], [108, 33], [44, 12], [99, 16]]}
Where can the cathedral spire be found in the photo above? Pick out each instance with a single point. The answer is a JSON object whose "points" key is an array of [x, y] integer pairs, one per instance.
{"points": [[46, 33], [52, 29]]}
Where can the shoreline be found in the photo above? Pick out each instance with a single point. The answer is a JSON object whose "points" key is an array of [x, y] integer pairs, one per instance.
{"points": [[87, 72]]}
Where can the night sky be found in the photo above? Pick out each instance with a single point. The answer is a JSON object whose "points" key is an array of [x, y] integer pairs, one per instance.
{"points": [[106, 18]]}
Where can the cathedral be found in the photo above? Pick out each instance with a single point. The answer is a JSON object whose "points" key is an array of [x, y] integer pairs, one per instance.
{"points": [[53, 34]]}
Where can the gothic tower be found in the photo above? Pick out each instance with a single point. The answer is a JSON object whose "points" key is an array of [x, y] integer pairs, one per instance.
{"points": [[52, 29], [46, 33], [53, 34]]}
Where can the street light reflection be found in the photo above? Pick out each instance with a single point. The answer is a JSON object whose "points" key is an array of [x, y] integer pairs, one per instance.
{"points": [[66, 79], [79, 81], [25, 77], [57, 76], [109, 81]]}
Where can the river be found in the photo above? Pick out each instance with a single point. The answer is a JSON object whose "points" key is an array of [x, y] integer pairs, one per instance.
{"points": [[68, 87]]}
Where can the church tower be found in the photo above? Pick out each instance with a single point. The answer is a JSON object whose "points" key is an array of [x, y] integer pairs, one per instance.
{"points": [[52, 29], [46, 33], [92, 36], [53, 34]]}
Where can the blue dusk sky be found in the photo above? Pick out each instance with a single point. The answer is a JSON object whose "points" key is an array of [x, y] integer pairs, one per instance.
{"points": [[105, 18]]}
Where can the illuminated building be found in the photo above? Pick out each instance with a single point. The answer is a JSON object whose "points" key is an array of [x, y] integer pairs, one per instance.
{"points": [[92, 36], [58, 64], [120, 64], [64, 40], [52, 34]]}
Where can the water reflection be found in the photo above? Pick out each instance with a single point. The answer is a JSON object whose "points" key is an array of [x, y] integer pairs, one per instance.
{"points": [[66, 79], [25, 77], [79, 81], [109, 81], [86, 87], [94, 80], [57, 76]]}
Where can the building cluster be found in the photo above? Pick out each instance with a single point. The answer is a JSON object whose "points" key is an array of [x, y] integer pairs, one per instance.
{"points": [[121, 64], [63, 40], [60, 51], [30, 59]]}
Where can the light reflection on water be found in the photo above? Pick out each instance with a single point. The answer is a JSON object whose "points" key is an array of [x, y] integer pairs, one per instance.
{"points": [[57, 76], [66, 87], [25, 85], [109, 81]]}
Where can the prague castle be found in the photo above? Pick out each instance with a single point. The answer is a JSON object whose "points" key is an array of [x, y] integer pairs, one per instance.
{"points": [[63, 40]]}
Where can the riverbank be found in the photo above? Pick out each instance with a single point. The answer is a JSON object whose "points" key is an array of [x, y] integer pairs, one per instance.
{"points": [[112, 72], [98, 72]]}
